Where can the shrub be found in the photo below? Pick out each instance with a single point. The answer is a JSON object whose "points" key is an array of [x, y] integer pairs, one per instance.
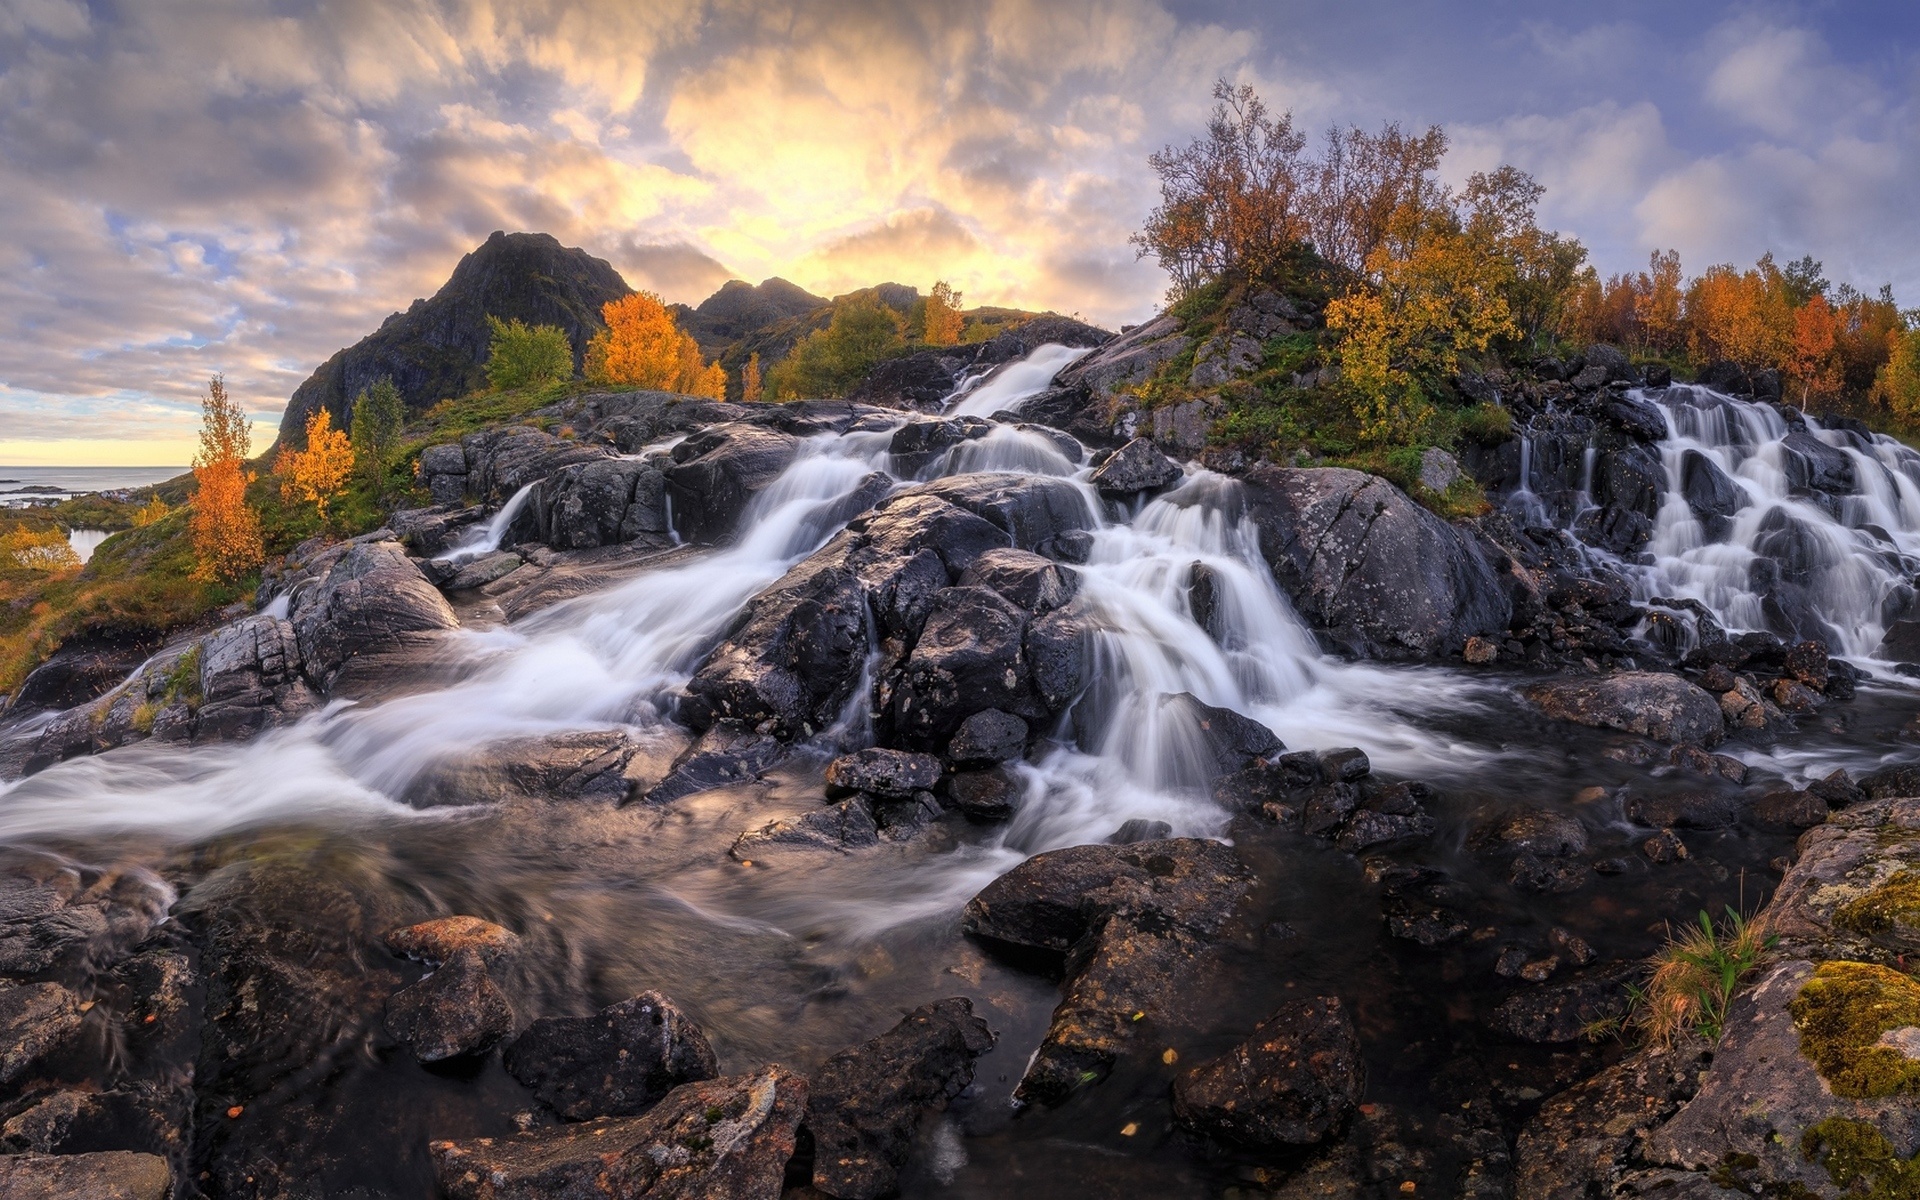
{"points": [[379, 415], [643, 346], [225, 530], [523, 355], [829, 361], [319, 472]]}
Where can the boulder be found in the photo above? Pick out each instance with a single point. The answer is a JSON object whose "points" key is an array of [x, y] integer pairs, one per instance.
{"points": [[1137, 922], [1711, 496], [795, 660], [1685, 808], [108, 1175], [503, 460], [1136, 467], [986, 738], [81, 669], [1225, 741], [1664, 707], [970, 657], [1565, 1012], [727, 754], [1813, 465], [373, 595], [1581, 1139], [1031, 581], [1380, 575], [1538, 832], [1292, 1083], [919, 444], [606, 502], [1420, 904], [1130, 358], [1032, 510], [455, 1010], [887, 774], [617, 1063], [848, 825], [729, 1137], [39, 1027], [865, 1105], [717, 472], [438, 940], [984, 796]]}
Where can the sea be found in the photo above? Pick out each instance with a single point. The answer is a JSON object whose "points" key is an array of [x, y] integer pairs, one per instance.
{"points": [[25, 485]]}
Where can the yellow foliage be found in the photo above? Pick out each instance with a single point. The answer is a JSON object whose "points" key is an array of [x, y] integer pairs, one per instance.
{"points": [[643, 347], [153, 510], [943, 315], [224, 530], [319, 472], [751, 388], [1898, 384], [37, 550], [1744, 316]]}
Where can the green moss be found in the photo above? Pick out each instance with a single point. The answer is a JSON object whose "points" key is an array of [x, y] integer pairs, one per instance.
{"points": [[1860, 1160], [1487, 424], [183, 678], [1878, 911], [1841, 1013]]}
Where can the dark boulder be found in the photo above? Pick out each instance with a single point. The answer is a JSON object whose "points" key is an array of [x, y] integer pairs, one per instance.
{"points": [[105, 1175], [1136, 467], [1370, 829], [917, 445], [1224, 741], [40, 1026], [1381, 575], [371, 597], [1420, 904], [1035, 583], [604, 503], [848, 825], [1664, 707], [1709, 493], [1638, 419], [1790, 808], [1685, 808], [1813, 465], [1136, 922], [1538, 832], [730, 1137], [616, 1063], [727, 754], [887, 774], [988, 737], [984, 796], [717, 472], [456, 1010], [78, 671], [796, 658], [1293, 1082], [970, 657], [1894, 782], [1032, 510], [1565, 1012], [865, 1105], [501, 461]]}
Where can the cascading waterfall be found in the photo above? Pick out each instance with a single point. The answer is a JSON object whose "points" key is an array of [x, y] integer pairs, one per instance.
{"points": [[1014, 383], [1788, 558], [485, 539]]}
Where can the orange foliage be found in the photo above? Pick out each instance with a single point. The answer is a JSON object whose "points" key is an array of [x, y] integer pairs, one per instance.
{"points": [[319, 472], [1744, 316], [225, 532], [1815, 360], [643, 347], [943, 315], [751, 389]]}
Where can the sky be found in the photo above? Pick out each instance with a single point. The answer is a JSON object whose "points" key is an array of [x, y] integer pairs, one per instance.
{"points": [[192, 187]]}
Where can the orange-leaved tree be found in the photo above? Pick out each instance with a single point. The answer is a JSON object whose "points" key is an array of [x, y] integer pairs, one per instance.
{"points": [[320, 472], [224, 530], [943, 315], [644, 347], [1815, 360], [751, 388]]}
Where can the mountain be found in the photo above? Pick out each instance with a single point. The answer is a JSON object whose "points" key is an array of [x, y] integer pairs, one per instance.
{"points": [[739, 308], [437, 348]]}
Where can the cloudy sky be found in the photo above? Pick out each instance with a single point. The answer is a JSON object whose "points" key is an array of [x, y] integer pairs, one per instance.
{"points": [[190, 187]]}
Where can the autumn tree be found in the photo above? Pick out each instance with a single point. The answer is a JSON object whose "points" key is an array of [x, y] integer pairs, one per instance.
{"points": [[1742, 316], [1539, 266], [1361, 181], [1814, 362], [1657, 304], [378, 416], [153, 510], [828, 362], [943, 316], [224, 530], [1898, 387], [318, 473], [642, 346], [522, 355], [750, 385], [46, 550]]}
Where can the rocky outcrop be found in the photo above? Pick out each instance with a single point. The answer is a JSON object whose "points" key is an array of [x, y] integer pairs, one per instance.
{"points": [[1664, 707], [438, 348], [1376, 573], [730, 1137], [110, 1175], [1135, 922], [1293, 1082], [461, 1006], [618, 1062], [1135, 467], [372, 598], [865, 1105], [607, 502], [717, 472]]}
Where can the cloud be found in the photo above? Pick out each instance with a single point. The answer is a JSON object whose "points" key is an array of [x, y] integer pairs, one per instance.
{"points": [[676, 270]]}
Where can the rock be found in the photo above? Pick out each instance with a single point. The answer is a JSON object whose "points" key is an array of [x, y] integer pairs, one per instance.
{"points": [[1057, 659], [1663, 707], [456, 1010], [483, 571], [1709, 493], [1538, 832], [848, 825], [727, 755], [110, 1175], [1420, 904], [606, 502], [1224, 741], [1479, 651], [1692, 808], [1582, 1138], [139, 1117], [1136, 921], [1130, 358], [1346, 764], [1036, 584], [1367, 830], [984, 796], [617, 1063], [1564, 1012], [1381, 575], [717, 472], [865, 1105], [988, 737], [502, 460], [39, 1027], [1838, 790], [901, 819], [81, 669], [796, 659], [1891, 782], [1812, 464], [730, 1137], [445, 459], [1138, 829], [889, 774], [1292, 1083], [1438, 469], [1542, 876], [1790, 808], [1664, 847], [1328, 807], [1135, 467], [371, 596], [437, 941], [970, 657]]}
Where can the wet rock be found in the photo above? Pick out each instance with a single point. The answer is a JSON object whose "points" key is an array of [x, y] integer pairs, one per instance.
{"points": [[1033, 511], [900, 819], [1717, 766], [1743, 706], [848, 825], [1564, 1012], [865, 1105], [603, 503], [1137, 466], [796, 658], [1538, 832], [1663, 707], [1812, 464], [59, 924], [1293, 1082], [437, 941], [1381, 575], [1328, 807], [1479, 651], [81, 669], [1891, 782], [456, 1010], [1368, 829], [1692, 808], [1231, 741], [1347, 764], [1838, 790], [1709, 493], [1545, 876], [1808, 662], [39, 1028], [1790, 808], [988, 737], [616, 1063], [1583, 1138], [984, 796], [1057, 659], [728, 1137], [372, 596], [918, 444], [970, 657], [890, 774], [1035, 583], [138, 1117], [1420, 904], [1136, 921], [484, 570], [111, 1175], [1664, 847], [726, 755], [717, 472], [1138, 829]]}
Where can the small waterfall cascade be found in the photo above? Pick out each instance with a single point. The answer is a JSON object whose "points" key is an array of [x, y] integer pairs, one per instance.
{"points": [[1776, 522], [1014, 383], [485, 539]]}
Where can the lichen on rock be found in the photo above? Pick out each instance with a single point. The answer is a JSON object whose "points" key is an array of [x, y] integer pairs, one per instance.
{"points": [[1843, 1013], [1892, 905]]}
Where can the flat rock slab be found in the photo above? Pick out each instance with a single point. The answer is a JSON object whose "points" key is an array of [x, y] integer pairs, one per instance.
{"points": [[728, 1138], [1664, 707], [117, 1175]]}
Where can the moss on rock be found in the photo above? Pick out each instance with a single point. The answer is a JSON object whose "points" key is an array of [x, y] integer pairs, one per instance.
{"points": [[1841, 1014], [1895, 902], [1861, 1161]]}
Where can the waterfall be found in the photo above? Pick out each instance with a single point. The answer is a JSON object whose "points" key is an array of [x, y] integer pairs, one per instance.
{"points": [[1013, 383], [486, 539]]}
